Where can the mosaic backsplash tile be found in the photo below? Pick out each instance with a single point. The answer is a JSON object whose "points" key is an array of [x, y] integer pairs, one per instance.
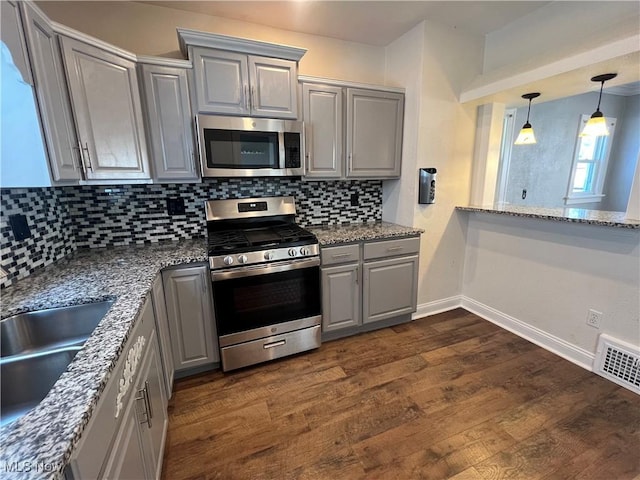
{"points": [[63, 219], [51, 228]]}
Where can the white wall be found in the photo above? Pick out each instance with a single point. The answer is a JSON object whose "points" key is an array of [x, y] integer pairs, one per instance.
{"points": [[558, 29], [433, 62], [547, 275], [151, 30]]}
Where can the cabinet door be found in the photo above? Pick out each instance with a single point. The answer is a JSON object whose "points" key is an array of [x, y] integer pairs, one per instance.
{"points": [[53, 96], [273, 84], [13, 37], [374, 133], [169, 121], [106, 103], [153, 403], [322, 114], [221, 81], [340, 297], [390, 288], [127, 460], [191, 322], [164, 342]]}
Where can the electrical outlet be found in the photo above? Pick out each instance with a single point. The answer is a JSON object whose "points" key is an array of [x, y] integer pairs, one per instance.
{"points": [[354, 199], [594, 318]]}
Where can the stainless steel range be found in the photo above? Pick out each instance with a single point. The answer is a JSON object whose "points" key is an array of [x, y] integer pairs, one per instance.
{"points": [[265, 273]]}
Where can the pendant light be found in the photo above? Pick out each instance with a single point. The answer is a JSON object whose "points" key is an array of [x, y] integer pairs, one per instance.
{"points": [[526, 136], [597, 125]]}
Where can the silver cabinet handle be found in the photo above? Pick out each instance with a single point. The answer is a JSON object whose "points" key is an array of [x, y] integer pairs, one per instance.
{"points": [[144, 395], [253, 97], [78, 148], [357, 275], [86, 149], [246, 97], [394, 249], [341, 255]]}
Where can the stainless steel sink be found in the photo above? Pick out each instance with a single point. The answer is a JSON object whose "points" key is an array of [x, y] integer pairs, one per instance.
{"points": [[27, 379], [50, 328], [36, 348]]}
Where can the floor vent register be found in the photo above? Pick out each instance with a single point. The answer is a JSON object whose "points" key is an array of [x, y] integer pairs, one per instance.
{"points": [[619, 362]]}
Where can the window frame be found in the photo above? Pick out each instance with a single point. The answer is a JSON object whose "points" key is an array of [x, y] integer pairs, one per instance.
{"points": [[601, 164]]}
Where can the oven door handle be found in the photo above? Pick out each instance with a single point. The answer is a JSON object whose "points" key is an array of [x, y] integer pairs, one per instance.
{"points": [[265, 269]]}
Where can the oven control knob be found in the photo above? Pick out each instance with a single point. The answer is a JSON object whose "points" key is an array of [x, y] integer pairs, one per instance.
{"points": [[304, 251], [293, 252], [268, 255], [242, 259], [228, 260]]}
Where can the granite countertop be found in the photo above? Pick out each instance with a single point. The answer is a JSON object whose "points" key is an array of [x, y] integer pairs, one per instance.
{"points": [[43, 440], [362, 231], [572, 215]]}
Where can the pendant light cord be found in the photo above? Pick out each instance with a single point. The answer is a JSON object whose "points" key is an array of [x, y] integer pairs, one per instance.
{"points": [[529, 110], [600, 96]]}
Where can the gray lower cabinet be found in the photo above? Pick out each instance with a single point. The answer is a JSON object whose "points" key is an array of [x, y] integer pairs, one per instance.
{"points": [[340, 297], [389, 288], [162, 324], [169, 122], [368, 282], [190, 312], [126, 434]]}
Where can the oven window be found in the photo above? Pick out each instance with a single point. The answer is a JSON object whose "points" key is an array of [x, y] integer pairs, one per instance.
{"points": [[258, 301], [236, 149]]}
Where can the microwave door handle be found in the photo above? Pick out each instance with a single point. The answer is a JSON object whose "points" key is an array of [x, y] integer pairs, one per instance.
{"points": [[281, 151]]}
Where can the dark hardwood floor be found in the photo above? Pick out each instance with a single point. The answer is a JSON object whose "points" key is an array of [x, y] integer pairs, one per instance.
{"points": [[448, 396]]}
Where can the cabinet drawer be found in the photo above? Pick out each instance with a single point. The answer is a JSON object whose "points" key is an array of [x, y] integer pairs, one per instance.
{"points": [[391, 248], [341, 254], [88, 458]]}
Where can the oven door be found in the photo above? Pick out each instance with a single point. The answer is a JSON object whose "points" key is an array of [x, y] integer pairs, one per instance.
{"points": [[258, 301]]}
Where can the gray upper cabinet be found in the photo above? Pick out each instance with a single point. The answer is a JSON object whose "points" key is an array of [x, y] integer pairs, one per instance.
{"points": [[351, 132], [374, 133], [273, 84], [52, 95], [322, 114], [190, 312], [105, 97], [233, 83], [169, 122], [221, 82], [13, 37]]}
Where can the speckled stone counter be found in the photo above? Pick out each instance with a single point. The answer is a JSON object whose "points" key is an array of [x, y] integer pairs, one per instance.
{"points": [[362, 231], [572, 215], [41, 442]]}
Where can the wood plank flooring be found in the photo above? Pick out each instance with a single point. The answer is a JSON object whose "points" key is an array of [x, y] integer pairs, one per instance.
{"points": [[450, 396]]}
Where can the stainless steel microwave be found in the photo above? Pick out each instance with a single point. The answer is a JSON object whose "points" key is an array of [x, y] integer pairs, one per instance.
{"points": [[250, 147]]}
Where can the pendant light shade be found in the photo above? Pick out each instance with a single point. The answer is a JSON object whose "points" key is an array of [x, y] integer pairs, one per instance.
{"points": [[526, 135], [597, 125]]}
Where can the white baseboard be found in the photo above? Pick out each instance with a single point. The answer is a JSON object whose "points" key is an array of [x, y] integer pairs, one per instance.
{"points": [[437, 306], [566, 350]]}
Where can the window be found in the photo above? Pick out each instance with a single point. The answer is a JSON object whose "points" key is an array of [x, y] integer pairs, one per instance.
{"points": [[589, 165]]}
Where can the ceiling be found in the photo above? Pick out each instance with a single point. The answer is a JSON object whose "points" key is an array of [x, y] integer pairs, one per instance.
{"points": [[370, 22]]}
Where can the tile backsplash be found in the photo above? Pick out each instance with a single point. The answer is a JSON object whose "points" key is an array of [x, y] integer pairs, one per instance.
{"points": [[63, 219]]}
